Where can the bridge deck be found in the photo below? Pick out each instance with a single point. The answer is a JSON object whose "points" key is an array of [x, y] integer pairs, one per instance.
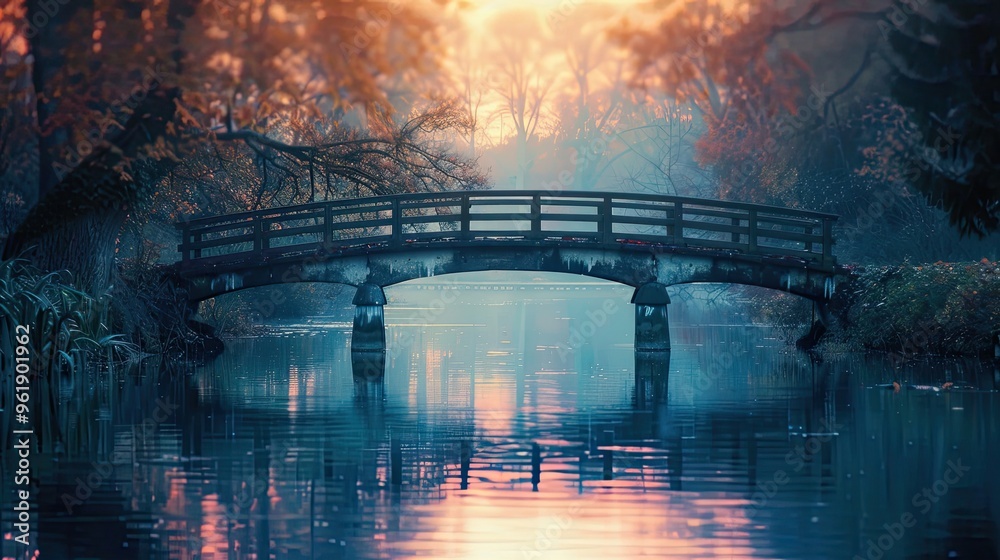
{"points": [[509, 218]]}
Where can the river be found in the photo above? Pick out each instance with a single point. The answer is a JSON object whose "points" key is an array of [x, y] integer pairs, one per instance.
{"points": [[511, 424]]}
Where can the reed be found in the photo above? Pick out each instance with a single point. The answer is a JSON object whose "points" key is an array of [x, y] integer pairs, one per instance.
{"points": [[69, 338]]}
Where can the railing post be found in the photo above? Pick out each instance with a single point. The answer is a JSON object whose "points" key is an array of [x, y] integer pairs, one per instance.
{"points": [[397, 226], [466, 220], [678, 223], [185, 239], [752, 231], [606, 216], [536, 216], [196, 239], [809, 244], [258, 235], [735, 236], [327, 227], [827, 242]]}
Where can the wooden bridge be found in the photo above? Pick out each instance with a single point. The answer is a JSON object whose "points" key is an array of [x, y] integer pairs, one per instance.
{"points": [[646, 241]]}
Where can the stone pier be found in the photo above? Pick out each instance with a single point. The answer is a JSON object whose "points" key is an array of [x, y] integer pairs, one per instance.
{"points": [[652, 330], [369, 319]]}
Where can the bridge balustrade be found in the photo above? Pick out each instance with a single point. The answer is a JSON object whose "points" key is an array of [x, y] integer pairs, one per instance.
{"points": [[610, 220]]}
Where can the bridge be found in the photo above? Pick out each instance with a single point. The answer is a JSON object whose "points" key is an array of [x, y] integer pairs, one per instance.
{"points": [[646, 241]]}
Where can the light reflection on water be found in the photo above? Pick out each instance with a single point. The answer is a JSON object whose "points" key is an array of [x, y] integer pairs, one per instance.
{"points": [[518, 436]]}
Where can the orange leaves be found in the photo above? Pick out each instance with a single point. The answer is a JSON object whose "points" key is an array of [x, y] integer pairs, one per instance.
{"points": [[186, 118]]}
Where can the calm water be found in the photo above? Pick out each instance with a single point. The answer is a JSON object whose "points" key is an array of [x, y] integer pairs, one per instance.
{"points": [[512, 425]]}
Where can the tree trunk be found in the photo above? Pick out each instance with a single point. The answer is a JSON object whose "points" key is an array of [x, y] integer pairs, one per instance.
{"points": [[522, 160], [84, 246], [75, 227], [50, 22]]}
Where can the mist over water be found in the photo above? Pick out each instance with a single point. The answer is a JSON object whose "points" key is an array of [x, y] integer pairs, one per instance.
{"points": [[513, 421]]}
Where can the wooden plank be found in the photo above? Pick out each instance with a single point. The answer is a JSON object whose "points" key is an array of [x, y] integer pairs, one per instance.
{"points": [[788, 235], [223, 227], [430, 203], [314, 216], [692, 225], [500, 217], [639, 221], [360, 224], [572, 203], [437, 218], [288, 232], [648, 206], [222, 242], [786, 221], [584, 218], [474, 234], [385, 207], [524, 200], [725, 214]]}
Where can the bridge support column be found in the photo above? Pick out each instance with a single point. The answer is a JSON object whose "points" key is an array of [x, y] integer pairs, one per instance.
{"points": [[652, 330], [369, 319]]}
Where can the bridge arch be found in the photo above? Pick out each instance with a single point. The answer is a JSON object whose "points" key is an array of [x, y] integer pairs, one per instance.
{"points": [[634, 268]]}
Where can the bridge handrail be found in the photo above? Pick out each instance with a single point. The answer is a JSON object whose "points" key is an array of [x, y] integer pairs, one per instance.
{"points": [[207, 220], [816, 227]]}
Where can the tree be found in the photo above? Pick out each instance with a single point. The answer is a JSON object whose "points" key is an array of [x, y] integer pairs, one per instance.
{"points": [[719, 58], [947, 56], [518, 53], [590, 105], [738, 66], [257, 74]]}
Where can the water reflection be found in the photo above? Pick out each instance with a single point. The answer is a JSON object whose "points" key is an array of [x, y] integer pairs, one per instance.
{"points": [[498, 433]]}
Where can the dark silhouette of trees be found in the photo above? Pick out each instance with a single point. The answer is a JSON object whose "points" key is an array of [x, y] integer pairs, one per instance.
{"points": [[947, 58]]}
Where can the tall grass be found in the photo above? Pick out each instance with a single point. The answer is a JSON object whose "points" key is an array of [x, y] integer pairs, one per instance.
{"points": [[69, 336]]}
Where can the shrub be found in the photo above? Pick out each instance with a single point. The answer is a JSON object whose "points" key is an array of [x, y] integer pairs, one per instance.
{"points": [[944, 308]]}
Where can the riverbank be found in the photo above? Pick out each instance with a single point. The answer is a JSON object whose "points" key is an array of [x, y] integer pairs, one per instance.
{"points": [[939, 308]]}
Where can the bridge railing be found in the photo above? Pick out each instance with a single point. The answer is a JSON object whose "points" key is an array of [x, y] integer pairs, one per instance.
{"points": [[563, 217]]}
